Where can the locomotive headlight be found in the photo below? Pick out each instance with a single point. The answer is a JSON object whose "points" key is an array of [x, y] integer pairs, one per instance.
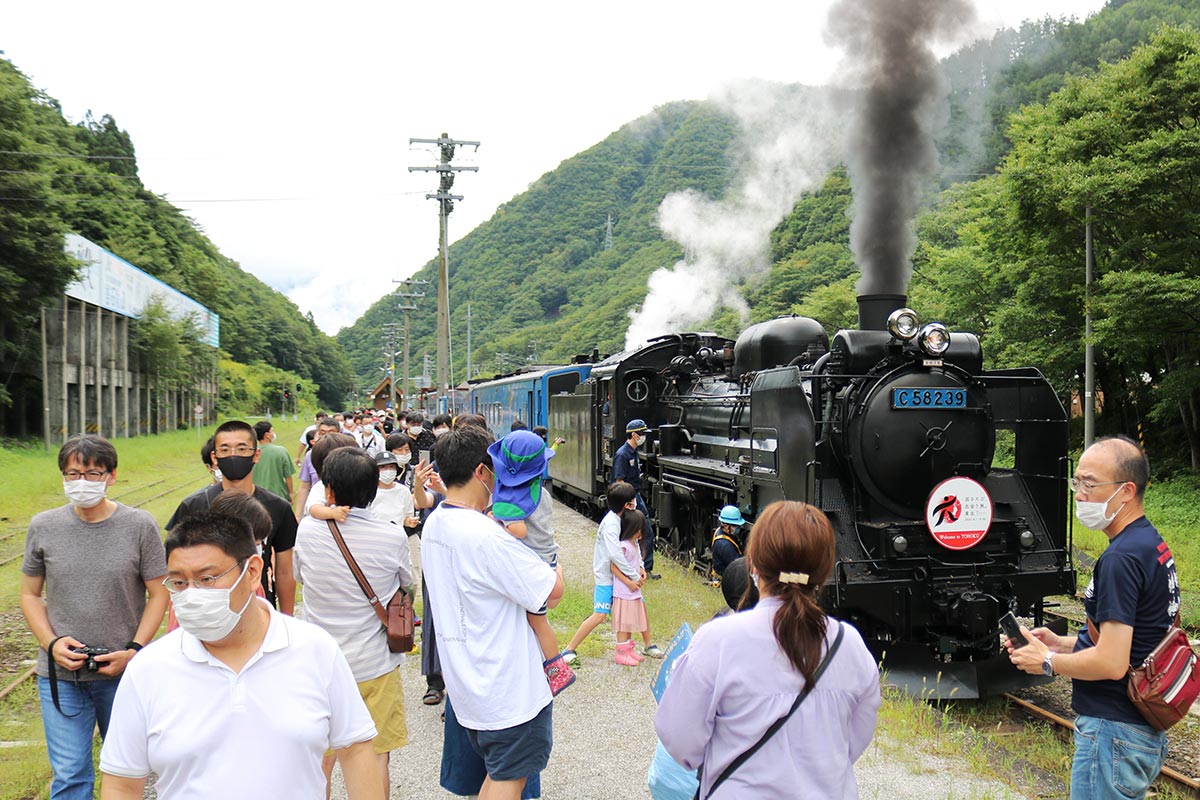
{"points": [[899, 544], [902, 323], [1027, 539], [934, 339]]}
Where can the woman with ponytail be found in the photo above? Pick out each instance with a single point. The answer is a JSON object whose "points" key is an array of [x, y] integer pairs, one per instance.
{"points": [[753, 687]]}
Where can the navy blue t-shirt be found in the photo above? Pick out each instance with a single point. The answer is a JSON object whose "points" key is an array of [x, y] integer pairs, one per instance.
{"points": [[1133, 583], [625, 466]]}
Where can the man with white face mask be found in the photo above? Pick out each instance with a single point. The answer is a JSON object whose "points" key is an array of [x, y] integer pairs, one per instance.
{"points": [[393, 501], [101, 564], [1131, 602], [240, 701]]}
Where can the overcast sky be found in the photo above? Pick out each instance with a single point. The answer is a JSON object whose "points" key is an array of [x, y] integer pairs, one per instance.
{"points": [[283, 128]]}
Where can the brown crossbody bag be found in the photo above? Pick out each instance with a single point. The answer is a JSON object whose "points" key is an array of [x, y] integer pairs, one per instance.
{"points": [[397, 618]]}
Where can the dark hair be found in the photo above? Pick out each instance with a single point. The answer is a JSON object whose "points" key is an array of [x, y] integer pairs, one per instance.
{"points": [[416, 418], [309, 436], [395, 441], [352, 476], [326, 445], [358, 417], [739, 591], [467, 420], [231, 535], [90, 449], [794, 537], [261, 429], [320, 416], [236, 426], [517, 425], [619, 494], [206, 451], [632, 523], [246, 508], [442, 419], [329, 422], [542, 431], [1130, 461], [460, 451]]}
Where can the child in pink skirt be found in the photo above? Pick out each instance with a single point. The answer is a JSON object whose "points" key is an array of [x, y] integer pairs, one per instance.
{"points": [[629, 607]]}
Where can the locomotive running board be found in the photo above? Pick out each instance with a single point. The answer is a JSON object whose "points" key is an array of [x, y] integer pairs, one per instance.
{"points": [[913, 671]]}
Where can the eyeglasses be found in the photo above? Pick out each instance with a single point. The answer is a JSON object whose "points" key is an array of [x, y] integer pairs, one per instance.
{"points": [[240, 450], [91, 475], [176, 585], [1087, 487]]}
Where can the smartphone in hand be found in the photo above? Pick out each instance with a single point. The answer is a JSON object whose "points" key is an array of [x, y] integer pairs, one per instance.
{"points": [[426, 456], [1012, 629]]}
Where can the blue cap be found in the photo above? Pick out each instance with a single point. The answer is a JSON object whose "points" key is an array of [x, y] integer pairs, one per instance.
{"points": [[510, 503], [731, 515], [636, 426], [518, 458]]}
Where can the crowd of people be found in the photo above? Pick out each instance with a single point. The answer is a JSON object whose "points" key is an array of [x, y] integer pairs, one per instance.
{"points": [[241, 698]]}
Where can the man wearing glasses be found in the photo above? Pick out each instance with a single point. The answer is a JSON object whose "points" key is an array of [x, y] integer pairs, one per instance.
{"points": [[101, 566], [1131, 601], [240, 701], [235, 452]]}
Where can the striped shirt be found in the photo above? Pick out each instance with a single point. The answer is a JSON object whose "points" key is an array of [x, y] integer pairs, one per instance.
{"points": [[333, 599]]}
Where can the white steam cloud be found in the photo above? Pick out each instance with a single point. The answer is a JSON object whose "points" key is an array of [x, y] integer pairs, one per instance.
{"points": [[788, 141]]}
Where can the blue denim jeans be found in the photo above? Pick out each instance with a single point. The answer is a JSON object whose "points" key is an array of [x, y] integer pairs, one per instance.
{"points": [[1115, 759], [69, 739]]}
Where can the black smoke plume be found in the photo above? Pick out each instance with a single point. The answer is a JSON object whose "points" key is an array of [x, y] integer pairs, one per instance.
{"points": [[899, 97]]}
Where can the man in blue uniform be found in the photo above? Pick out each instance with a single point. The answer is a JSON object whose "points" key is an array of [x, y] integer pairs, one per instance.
{"points": [[627, 468], [1130, 603]]}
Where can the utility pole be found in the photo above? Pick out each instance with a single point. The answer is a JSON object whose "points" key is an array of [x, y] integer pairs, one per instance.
{"points": [[1089, 356], [445, 200], [468, 341], [391, 338], [406, 305]]}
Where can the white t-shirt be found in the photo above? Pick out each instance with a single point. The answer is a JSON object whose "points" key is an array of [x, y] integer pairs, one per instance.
{"points": [[332, 597], [316, 496], [608, 552], [209, 732], [394, 504], [482, 581]]}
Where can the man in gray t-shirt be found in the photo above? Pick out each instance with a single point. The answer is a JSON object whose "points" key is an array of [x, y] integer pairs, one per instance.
{"points": [[91, 578]]}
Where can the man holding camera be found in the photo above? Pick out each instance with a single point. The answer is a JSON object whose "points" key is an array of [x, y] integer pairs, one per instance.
{"points": [[101, 565]]}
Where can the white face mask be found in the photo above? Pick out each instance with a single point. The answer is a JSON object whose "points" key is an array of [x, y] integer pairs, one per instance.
{"points": [[205, 613], [404, 459], [1091, 515], [85, 493], [416, 430], [387, 476], [440, 431], [217, 476]]}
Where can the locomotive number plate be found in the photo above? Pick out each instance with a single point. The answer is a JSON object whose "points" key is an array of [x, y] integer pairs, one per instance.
{"points": [[929, 397]]}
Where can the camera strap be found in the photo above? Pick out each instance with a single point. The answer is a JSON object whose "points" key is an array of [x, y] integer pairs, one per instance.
{"points": [[52, 672]]}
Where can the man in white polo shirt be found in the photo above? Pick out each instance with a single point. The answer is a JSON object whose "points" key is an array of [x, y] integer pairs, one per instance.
{"points": [[483, 582], [334, 600], [240, 701]]}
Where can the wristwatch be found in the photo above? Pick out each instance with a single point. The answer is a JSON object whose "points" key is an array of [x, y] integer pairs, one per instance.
{"points": [[1048, 665]]}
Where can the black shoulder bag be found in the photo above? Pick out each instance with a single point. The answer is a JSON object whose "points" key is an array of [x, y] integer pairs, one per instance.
{"points": [[775, 726]]}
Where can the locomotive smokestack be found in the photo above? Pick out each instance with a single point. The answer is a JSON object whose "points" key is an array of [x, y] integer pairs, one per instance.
{"points": [[898, 97], [874, 309]]}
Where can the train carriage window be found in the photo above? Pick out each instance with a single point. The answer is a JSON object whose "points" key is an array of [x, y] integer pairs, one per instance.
{"points": [[562, 384]]}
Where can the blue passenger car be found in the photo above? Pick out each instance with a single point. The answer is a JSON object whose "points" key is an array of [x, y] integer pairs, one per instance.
{"points": [[524, 396]]}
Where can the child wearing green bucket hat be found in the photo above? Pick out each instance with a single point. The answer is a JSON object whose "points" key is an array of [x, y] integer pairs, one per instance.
{"points": [[523, 507]]}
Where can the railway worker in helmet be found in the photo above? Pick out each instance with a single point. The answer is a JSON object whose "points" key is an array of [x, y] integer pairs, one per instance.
{"points": [[728, 539], [627, 467], [1131, 603]]}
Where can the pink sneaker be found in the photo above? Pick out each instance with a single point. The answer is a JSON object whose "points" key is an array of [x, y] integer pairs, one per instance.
{"points": [[558, 674]]}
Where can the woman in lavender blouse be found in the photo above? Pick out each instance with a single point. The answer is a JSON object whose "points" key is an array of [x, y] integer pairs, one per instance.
{"points": [[742, 672]]}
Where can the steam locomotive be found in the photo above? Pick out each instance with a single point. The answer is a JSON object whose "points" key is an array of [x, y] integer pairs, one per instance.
{"points": [[892, 431]]}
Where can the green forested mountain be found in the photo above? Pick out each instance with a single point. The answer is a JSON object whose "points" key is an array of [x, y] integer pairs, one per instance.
{"points": [[1044, 122], [57, 177]]}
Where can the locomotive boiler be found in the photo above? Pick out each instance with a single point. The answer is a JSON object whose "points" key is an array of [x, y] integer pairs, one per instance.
{"points": [[892, 430]]}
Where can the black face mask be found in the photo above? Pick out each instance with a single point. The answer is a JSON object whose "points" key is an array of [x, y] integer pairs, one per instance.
{"points": [[235, 467]]}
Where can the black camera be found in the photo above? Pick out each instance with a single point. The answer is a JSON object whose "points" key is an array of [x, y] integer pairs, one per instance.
{"points": [[91, 653]]}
